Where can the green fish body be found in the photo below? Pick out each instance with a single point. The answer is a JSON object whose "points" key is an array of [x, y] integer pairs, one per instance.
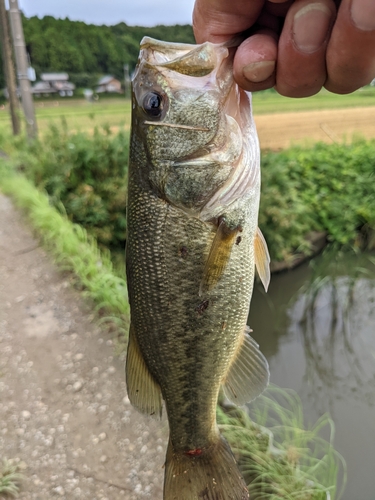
{"points": [[192, 247]]}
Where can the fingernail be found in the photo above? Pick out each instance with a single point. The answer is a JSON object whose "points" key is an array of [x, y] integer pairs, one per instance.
{"points": [[363, 14], [310, 27], [258, 71]]}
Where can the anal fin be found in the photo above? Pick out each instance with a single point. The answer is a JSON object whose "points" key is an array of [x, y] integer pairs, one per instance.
{"points": [[143, 392], [248, 374], [219, 255], [262, 259]]}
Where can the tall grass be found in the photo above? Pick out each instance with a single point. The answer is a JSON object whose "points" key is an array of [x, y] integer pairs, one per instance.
{"points": [[279, 457]]}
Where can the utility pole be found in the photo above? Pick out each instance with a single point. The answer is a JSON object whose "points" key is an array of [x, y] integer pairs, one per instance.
{"points": [[21, 63], [10, 77]]}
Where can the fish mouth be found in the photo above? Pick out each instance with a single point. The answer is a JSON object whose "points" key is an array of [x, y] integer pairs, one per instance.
{"points": [[176, 125], [186, 59]]}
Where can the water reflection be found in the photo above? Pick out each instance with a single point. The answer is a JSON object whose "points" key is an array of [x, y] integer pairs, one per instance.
{"points": [[317, 328], [335, 320]]}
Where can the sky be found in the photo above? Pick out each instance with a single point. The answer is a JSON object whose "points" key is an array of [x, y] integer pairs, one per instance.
{"points": [[132, 12]]}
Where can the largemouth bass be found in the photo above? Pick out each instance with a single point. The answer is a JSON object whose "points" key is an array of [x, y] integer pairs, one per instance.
{"points": [[192, 245]]}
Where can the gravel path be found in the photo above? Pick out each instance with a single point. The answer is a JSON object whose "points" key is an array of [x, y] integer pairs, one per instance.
{"points": [[64, 414]]}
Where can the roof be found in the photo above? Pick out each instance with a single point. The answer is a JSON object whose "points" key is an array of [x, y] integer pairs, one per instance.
{"points": [[50, 77], [106, 79]]}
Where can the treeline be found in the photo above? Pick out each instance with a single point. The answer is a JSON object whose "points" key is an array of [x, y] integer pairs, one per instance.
{"points": [[86, 50]]}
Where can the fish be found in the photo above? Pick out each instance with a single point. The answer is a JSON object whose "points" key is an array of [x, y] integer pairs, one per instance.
{"points": [[192, 246]]}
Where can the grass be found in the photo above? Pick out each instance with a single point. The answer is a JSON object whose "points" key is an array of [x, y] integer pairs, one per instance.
{"points": [[73, 249], [78, 113], [280, 459], [82, 115], [270, 102], [9, 479]]}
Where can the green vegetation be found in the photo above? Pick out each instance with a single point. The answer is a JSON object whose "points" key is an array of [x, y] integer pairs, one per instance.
{"points": [[324, 188], [279, 458], [73, 249], [269, 101], [85, 176], [9, 479], [78, 114]]}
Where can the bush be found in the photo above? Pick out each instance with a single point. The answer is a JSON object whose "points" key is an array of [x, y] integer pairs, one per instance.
{"points": [[85, 176], [324, 188]]}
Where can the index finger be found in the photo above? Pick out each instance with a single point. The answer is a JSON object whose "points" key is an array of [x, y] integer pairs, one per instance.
{"points": [[219, 20]]}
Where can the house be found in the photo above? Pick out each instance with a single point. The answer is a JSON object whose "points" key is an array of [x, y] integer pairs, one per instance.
{"points": [[54, 83], [108, 84]]}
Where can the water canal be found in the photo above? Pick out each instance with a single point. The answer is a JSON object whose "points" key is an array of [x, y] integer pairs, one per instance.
{"points": [[316, 326]]}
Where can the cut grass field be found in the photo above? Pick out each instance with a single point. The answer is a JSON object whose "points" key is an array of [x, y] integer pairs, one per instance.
{"points": [[115, 112]]}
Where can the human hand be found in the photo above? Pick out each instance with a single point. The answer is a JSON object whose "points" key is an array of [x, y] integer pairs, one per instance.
{"points": [[298, 46]]}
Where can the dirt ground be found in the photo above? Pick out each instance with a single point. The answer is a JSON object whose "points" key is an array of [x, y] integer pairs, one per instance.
{"points": [[64, 414], [280, 130]]}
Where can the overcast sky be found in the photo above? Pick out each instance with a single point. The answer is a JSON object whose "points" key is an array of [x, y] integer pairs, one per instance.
{"points": [[141, 12]]}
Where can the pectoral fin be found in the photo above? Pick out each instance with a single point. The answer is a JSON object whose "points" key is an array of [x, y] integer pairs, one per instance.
{"points": [[262, 259], [143, 392], [219, 256], [248, 374]]}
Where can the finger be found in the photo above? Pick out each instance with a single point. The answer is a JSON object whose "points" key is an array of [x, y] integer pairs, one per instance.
{"points": [[301, 65], [351, 49], [219, 20], [255, 61]]}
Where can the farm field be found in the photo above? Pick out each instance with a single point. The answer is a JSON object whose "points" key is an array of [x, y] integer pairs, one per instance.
{"points": [[281, 121], [281, 130]]}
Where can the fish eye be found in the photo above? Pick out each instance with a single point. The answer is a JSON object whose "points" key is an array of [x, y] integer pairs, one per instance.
{"points": [[153, 104]]}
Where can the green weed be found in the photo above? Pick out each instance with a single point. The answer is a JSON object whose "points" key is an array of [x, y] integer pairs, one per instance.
{"points": [[279, 457], [327, 188], [9, 479]]}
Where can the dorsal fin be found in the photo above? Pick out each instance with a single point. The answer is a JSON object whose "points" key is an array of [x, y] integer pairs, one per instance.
{"points": [[262, 258]]}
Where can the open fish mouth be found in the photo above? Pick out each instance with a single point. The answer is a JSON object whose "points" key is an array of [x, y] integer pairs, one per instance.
{"points": [[187, 59]]}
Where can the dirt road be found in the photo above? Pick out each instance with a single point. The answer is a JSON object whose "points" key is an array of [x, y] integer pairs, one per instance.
{"points": [[280, 130], [64, 414]]}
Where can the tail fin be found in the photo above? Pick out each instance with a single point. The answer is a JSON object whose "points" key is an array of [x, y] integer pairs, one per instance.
{"points": [[208, 474]]}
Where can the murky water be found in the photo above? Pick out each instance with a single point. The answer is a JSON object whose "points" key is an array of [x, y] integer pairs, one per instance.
{"points": [[316, 325]]}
